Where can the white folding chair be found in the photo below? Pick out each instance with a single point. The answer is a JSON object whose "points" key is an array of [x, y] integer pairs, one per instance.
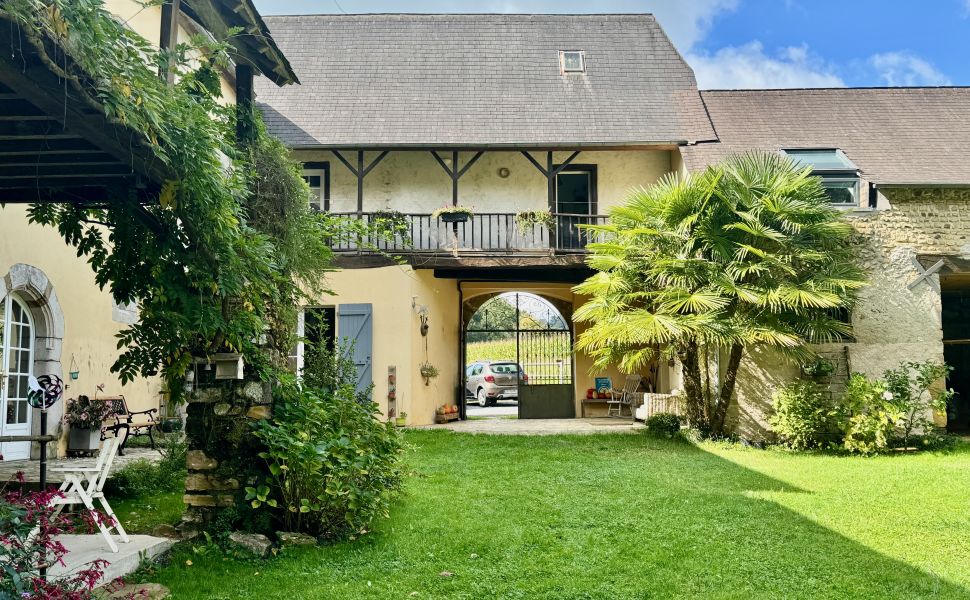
{"points": [[620, 398], [84, 485]]}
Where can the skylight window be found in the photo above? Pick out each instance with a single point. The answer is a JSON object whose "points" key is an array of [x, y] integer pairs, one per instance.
{"points": [[830, 159], [572, 61], [840, 177]]}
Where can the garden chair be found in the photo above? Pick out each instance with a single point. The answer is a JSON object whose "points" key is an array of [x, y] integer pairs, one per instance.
{"points": [[625, 397], [84, 485]]}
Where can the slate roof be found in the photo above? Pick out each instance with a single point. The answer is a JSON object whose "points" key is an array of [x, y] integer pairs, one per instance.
{"points": [[401, 80], [895, 136]]}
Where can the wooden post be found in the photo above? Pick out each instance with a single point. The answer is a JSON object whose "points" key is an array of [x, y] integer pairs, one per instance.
{"points": [[360, 171], [245, 130], [168, 37]]}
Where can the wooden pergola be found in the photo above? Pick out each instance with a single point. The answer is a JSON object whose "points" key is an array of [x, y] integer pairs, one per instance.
{"points": [[57, 145]]}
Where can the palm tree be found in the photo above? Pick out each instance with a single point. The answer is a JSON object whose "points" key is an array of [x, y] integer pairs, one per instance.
{"points": [[748, 253]]}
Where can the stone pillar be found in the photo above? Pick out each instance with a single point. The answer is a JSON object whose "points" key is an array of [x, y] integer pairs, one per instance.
{"points": [[223, 453]]}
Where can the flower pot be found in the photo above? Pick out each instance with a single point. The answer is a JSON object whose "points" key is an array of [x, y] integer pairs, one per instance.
{"points": [[400, 421], [84, 440], [75, 375], [454, 217]]}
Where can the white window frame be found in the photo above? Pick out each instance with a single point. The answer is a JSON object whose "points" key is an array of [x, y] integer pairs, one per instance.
{"points": [[562, 61], [321, 190]]}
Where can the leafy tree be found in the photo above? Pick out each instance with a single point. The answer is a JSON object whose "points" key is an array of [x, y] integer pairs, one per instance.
{"points": [[746, 254]]}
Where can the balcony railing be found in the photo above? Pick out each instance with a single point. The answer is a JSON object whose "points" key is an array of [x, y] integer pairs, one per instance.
{"points": [[494, 233]]}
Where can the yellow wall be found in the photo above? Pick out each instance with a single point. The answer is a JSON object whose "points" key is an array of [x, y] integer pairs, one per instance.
{"points": [[144, 20], [89, 327], [397, 340]]}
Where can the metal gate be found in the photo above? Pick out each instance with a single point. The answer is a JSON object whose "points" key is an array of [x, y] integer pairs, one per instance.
{"points": [[532, 332]]}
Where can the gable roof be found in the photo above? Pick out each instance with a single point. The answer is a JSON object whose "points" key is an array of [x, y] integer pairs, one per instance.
{"points": [[896, 136], [486, 80], [254, 46]]}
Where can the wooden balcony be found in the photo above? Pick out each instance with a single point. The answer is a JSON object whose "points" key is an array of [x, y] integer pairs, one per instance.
{"points": [[483, 234]]}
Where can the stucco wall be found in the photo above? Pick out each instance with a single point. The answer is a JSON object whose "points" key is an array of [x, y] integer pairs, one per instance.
{"points": [[412, 181], [891, 322], [89, 317], [397, 340]]}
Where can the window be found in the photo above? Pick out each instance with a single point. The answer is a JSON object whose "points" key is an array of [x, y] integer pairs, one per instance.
{"points": [[572, 61], [317, 176], [840, 177], [316, 325]]}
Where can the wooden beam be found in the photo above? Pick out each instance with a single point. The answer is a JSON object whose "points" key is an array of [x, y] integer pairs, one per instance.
{"points": [[62, 145], [47, 93], [454, 172], [360, 171], [344, 162], [245, 129], [68, 194], [41, 171], [535, 163], [58, 158], [168, 37]]}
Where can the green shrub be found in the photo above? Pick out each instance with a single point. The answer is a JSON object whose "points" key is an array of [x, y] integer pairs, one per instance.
{"points": [[867, 415], [663, 424], [910, 385], [805, 416], [334, 467], [143, 477]]}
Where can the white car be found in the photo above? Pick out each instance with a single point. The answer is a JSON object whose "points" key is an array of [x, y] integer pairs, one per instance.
{"points": [[488, 381]]}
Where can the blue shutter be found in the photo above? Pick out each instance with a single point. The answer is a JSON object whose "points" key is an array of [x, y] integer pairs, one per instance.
{"points": [[355, 331]]}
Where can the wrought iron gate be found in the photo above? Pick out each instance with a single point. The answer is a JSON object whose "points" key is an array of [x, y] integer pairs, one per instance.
{"points": [[531, 331]]}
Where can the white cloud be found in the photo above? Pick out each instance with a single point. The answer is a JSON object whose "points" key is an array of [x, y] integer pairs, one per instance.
{"points": [[687, 22], [904, 68], [748, 66]]}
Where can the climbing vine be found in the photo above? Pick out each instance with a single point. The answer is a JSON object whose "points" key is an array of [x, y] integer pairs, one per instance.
{"points": [[220, 258]]}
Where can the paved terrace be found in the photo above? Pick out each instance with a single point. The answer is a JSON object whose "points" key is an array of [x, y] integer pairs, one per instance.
{"points": [[31, 468]]}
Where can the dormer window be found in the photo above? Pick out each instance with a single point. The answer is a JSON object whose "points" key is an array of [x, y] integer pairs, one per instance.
{"points": [[840, 177], [572, 61]]}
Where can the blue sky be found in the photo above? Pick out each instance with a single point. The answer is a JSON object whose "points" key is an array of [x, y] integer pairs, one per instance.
{"points": [[761, 43]]}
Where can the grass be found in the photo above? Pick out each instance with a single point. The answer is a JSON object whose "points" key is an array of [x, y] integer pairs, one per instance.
{"points": [[142, 514], [626, 516]]}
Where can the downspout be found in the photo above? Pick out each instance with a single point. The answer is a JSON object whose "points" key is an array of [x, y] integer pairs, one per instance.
{"points": [[460, 391]]}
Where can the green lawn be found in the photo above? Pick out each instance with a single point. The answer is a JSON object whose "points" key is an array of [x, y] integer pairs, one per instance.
{"points": [[629, 517], [141, 515]]}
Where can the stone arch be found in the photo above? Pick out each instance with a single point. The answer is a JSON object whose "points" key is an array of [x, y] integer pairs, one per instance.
{"points": [[36, 291]]}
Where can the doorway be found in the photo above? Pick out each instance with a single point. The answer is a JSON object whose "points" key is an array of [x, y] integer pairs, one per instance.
{"points": [[16, 367], [956, 353], [517, 358], [575, 203]]}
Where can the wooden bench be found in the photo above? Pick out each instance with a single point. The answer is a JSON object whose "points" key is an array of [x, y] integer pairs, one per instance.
{"points": [[135, 423]]}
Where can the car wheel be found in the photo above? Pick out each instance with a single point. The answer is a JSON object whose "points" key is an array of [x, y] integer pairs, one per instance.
{"points": [[482, 398]]}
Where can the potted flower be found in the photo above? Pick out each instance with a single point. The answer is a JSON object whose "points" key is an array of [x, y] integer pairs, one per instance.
{"points": [[453, 214], [402, 420], [85, 418], [527, 219], [428, 372]]}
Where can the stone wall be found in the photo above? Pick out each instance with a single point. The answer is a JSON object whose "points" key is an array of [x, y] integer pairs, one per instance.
{"points": [[223, 454], [891, 322]]}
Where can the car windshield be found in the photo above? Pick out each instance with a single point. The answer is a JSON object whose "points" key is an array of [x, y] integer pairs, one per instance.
{"points": [[505, 368]]}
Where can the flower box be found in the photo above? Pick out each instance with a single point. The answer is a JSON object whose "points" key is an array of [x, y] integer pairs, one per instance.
{"points": [[454, 217]]}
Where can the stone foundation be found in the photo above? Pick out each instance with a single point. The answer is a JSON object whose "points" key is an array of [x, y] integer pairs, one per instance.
{"points": [[223, 454]]}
